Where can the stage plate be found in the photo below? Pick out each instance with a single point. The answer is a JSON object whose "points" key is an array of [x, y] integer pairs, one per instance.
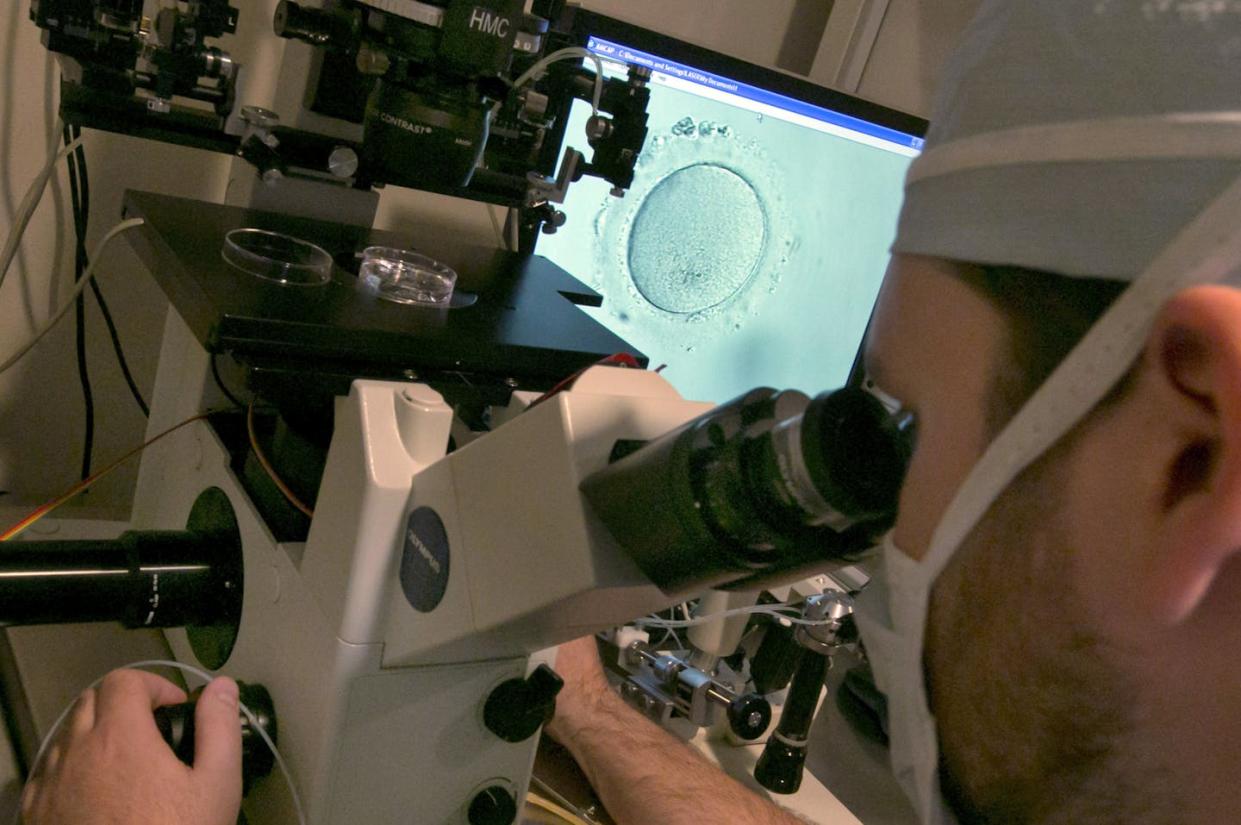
{"points": [[525, 325]]}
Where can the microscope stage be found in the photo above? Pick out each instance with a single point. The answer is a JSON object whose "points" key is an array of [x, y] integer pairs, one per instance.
{"points": [[525, 324]]}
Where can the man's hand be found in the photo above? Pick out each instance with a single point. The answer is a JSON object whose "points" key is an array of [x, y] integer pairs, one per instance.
{"points": [[642, 773], [109, 765]]}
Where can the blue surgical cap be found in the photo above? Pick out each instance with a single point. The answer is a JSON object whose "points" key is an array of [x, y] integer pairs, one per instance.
{"points": [[1033, 62]]}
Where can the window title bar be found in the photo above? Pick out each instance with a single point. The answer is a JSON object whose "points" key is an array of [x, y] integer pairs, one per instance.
{"points": [[615, 51]]}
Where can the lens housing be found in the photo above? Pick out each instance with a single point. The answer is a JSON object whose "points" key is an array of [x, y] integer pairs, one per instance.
{"points": [[434, 136], [765, 484]]}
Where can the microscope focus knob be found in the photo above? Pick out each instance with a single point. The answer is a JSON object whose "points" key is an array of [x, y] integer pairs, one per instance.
{"points": [[519, 707], [176, 726], [493, 806]]}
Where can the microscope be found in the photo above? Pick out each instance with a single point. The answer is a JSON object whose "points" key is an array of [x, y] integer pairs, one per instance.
{"points": [[467, 99], [418, 503]]}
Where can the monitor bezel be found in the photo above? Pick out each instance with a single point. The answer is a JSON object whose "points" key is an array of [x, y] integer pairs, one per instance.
{"points": [[587, 24]]}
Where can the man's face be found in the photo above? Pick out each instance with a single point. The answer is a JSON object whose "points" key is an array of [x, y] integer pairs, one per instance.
{"points": [[937, 344], [1061, 634], [934, 345]]}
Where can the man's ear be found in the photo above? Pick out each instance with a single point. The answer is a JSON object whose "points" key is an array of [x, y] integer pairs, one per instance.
{"points": [[1194, 357]]}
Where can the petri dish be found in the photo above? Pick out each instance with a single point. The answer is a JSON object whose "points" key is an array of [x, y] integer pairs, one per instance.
{"points": [[406, 277], [278, 258]]}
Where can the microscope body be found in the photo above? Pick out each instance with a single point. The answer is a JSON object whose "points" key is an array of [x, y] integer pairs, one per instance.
{"points": [[380, 704]]}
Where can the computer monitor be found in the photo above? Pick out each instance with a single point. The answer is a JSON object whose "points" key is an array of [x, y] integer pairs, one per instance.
{"points": [[750, 250]]}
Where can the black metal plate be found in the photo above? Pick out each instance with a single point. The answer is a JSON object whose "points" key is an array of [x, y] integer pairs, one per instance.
{"points": [[525, 326]]}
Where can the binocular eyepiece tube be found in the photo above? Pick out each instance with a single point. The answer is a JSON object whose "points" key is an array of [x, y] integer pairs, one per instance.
{"points": [[769, 483]]}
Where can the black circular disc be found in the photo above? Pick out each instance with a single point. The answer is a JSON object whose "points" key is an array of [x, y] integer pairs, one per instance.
{"points": [[213, 515]]}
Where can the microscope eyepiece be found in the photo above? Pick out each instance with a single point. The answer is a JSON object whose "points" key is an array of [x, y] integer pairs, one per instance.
{"points": [[770, 482]]}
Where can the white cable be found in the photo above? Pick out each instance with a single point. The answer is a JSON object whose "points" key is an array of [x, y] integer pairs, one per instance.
{"points": [[206, 677], [572, 53], [776, 610], [123, 226], [26, 210]]}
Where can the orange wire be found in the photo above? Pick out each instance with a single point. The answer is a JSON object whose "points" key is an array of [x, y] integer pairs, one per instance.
{"points": [[270, 470], [21, 526]]}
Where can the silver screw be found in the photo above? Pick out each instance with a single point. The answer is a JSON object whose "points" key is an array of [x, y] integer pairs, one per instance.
{"points": [[343, 162]]}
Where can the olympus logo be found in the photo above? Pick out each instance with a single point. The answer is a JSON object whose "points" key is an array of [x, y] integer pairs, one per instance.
{"points": [[426, 554], [402, 123], [496, 25]]}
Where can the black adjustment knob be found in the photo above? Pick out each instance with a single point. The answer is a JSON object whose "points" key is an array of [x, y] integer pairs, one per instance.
{"points": [[519, 707], [176, 725], [749, 715], [779, 769], [493, 806]]}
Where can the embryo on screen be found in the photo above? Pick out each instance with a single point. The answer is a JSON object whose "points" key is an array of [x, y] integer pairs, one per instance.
{"points": [[752, 245]]}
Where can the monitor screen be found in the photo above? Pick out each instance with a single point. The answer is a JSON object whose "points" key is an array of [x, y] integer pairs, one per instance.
{"points": [[750, 250]]}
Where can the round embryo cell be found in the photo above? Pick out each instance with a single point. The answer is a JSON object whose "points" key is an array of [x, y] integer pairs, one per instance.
{"points": [[697, 239], [697, 248]]}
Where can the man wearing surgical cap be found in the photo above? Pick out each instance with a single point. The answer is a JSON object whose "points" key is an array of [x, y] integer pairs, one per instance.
{"points": [[1057, 620]]}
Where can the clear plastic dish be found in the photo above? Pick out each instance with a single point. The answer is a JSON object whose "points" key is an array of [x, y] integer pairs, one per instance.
{"points": [[406, 277], [278, 258]]}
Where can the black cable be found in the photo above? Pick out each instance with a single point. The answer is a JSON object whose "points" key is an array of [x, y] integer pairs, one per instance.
{"points": [[81, 217], [80, 195], [113, 334], [118, 349]]}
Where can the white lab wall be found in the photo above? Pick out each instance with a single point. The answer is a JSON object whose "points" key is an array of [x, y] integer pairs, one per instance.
{"points": [[41, 411], [40, 403], [912, 43]]}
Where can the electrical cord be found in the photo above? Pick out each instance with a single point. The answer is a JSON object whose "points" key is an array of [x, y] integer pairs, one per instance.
{"points": [[23, 525], [548, 792], [79, 180], [119, 350], [83, 185], [193, 671], [620, 359], [775, 610], [79, 190], [535, 72], [21, 352], [26, 210], [284, 489], [562, 814]]}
